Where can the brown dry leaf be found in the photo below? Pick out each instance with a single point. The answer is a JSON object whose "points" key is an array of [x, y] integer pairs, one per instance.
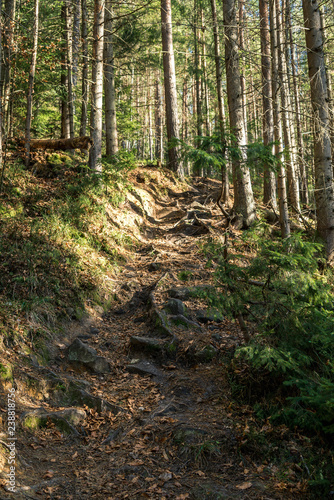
{"points": [[165, 455], [244, 486], [75, 455], [200, 473], [136, 462], [48, 475]]}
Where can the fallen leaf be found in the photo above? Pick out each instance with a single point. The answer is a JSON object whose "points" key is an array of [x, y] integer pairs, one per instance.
{"points": [[200, 473], [49, 474], [244, 486]]}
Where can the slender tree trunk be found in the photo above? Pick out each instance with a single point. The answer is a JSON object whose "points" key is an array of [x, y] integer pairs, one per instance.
{"points": [[150, 133], [197, 74], [1, 94], [301, 159], [243, 193], [282, 193], [243, 66], [75, 42], [84, 77], [8, 48], [158, 120], [109, 77], [68, 27], [269, 185], [170, 85], [324, 196], [31, 84], [205, 92], [224, 197], [95, 153], [184, 131], [288, 127], [65, 124]]}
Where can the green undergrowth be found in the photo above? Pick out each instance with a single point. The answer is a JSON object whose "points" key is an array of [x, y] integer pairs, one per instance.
{"points": [[287, 302], [285, 372], [59, 247]]}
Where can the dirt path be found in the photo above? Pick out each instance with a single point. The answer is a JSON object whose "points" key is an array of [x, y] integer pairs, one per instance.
{"points": [[167, 428]]}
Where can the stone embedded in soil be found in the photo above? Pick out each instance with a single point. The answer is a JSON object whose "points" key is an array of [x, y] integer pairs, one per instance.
{"points": [[81, 352], [146, 343], [206, 354], [143, 368], [154, 345], [209, 315], [155, 266], [100, 365], [82, 397], [65, 420], [175, 306]]}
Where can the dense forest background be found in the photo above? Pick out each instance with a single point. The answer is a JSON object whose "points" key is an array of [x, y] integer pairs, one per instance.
{"points": [[241, 88]]}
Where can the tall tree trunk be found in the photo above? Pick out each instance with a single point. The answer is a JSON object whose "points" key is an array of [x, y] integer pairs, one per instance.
{"points": [[84, 77], [243, 66], [170, 85], [8, 48], [197, 74], [75, 42], [1, 95], [288, 127], [109, 78], [282, 193], [301, 159], [68, 27], [269, 184], [224, 197], [184, 131], [205, 92], [243, 193], [158, 120], [65, 124], [324, 196], [95, 153], [31, 83]]}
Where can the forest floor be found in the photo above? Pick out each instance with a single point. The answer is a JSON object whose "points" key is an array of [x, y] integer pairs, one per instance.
{"points": [[160, 421]]}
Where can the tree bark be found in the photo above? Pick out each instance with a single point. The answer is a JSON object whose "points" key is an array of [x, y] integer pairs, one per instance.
{"points": [[170, 85], [301, 160], [68, 27], [75, 42], [65, 124], [31, 83], [83, 143], [288, 127], [84, 76], [95, 154], [109, 81], [243, 194], [324, 197], [8, 48], [282, 193], [224, 197], [269, 181], [158, 120]]}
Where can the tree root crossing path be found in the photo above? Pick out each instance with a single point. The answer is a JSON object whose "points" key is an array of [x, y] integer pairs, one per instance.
{"points": [[136, 401]]}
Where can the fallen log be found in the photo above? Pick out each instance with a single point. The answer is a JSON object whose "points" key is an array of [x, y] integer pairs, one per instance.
{"points": [[82, 143]]}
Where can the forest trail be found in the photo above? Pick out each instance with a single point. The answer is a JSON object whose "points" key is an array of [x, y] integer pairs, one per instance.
{"points": [[161, 424]]}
